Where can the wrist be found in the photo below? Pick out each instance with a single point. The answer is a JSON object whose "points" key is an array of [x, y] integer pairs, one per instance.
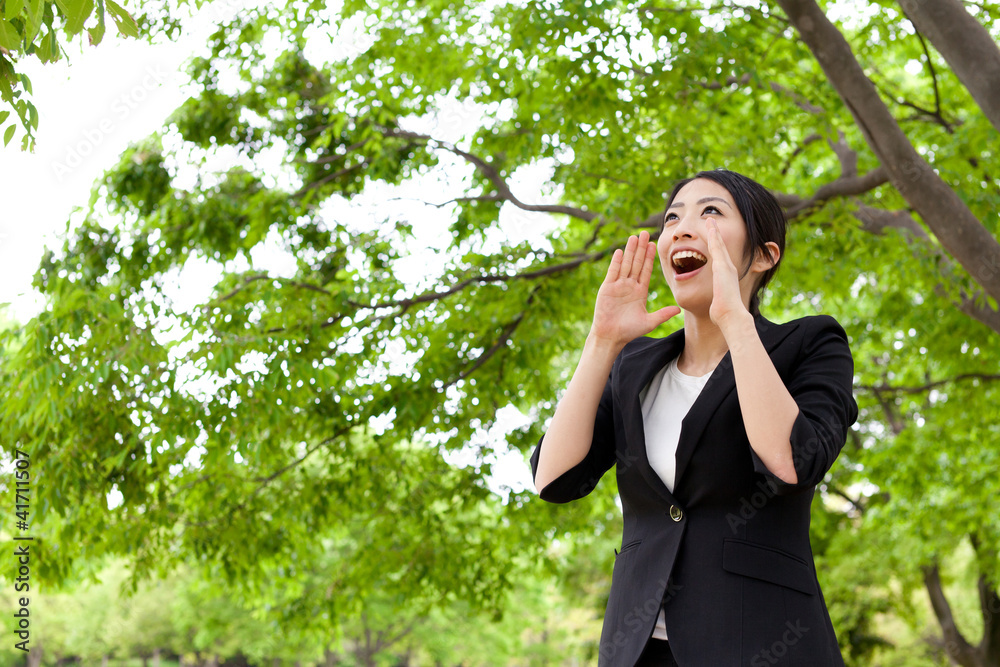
{"points": [[737, 326], [603, 346]]}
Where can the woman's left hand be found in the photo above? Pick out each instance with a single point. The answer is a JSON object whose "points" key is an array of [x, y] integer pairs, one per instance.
{"points": [[727, 301]]}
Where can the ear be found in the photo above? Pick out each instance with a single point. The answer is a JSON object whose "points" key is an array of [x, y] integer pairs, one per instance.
{"points": [[764, 262]]}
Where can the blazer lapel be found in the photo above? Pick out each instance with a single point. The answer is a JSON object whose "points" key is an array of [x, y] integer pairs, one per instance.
{"points": [[636, 372]]}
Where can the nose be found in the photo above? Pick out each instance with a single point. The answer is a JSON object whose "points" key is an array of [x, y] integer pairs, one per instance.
{"points": [[685, 228]]}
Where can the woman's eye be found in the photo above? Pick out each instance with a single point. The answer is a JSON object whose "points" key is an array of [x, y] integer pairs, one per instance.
{"points": [[670, 217], [710, 208]]}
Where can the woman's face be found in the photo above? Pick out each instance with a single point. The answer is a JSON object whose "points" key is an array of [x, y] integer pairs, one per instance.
{"points": [[683, 244]]}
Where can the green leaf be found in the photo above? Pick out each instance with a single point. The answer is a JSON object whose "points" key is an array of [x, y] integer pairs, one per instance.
{"points": [[126, 24], [14, 8], [10, 38], [50, 48], [3, 116], [97, 34], [75, 12], [9, 134], [33, 22]]}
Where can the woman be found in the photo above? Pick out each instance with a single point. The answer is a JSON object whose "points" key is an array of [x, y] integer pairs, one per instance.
{"points": [[720, 433]]}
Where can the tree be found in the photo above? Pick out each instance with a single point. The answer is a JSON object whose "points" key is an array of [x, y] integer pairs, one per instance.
{"points": [[248, 415]]}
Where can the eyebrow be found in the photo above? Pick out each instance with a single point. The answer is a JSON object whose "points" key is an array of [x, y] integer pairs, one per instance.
{"points": [[678, 204]]}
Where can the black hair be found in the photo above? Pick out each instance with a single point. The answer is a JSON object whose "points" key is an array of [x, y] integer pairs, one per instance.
{"points": [[765, 221]]}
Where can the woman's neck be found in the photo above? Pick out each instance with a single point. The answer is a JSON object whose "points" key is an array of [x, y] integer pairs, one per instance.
{"points": [[704, 345]]}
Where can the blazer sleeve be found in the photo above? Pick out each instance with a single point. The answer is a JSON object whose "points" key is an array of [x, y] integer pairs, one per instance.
{"points": [[822, 386], [581, 479]]}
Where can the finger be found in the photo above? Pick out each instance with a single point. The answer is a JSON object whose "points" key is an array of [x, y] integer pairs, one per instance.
{"points": [[647, 267], [664, 314], [717, 249], [628, 256], [615, 267], [639, 258]]}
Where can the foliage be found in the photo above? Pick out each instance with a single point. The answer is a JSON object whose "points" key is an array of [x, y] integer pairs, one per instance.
{"points": [[300, 424], [190, 617]]}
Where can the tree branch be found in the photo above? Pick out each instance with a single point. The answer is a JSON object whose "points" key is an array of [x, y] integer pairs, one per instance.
{"points": [[847, 156], [951, 220], [336, 157], [800, 101], [895, 423], [712, 9], [386, 638], [922, 112], [505, 335], [526, 275], [930, 67], [264, 482], [877, 220], [493, 176], [326, 179], [956, 646], [966, 45], [258, 277], [456, 200], [745, 79], [855, 503], [843, 186], [798, 151], [916, 389]]}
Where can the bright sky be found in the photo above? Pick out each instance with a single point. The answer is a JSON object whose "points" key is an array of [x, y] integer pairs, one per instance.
{"points": [[93, 107], [88, 112]]}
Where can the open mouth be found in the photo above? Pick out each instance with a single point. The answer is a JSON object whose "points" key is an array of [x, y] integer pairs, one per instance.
{"points": [[686, 261]]}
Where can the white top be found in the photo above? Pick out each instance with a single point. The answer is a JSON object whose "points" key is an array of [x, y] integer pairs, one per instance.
{"points": [[665, 402]]}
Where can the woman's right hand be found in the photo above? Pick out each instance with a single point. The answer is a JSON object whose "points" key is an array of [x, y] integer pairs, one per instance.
{"points": [[620, 313]]}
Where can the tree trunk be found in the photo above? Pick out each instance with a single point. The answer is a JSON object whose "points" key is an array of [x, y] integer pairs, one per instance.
{"points": [[35, 655], [104, 660], [989, 604], [954, 225], [958, 649], [966, 45], [156, 657]]}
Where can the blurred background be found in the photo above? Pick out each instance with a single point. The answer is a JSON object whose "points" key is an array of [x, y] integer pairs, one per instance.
{"points": [[291, 291]]}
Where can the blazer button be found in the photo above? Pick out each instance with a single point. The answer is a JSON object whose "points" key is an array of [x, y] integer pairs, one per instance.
{"points": [[675, 513]]}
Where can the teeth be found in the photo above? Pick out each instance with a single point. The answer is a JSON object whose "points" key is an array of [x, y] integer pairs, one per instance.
{"points": [[685, 254]]}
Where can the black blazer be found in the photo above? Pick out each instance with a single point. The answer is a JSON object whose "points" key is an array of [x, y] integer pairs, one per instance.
{"points": [[727, 553]]}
